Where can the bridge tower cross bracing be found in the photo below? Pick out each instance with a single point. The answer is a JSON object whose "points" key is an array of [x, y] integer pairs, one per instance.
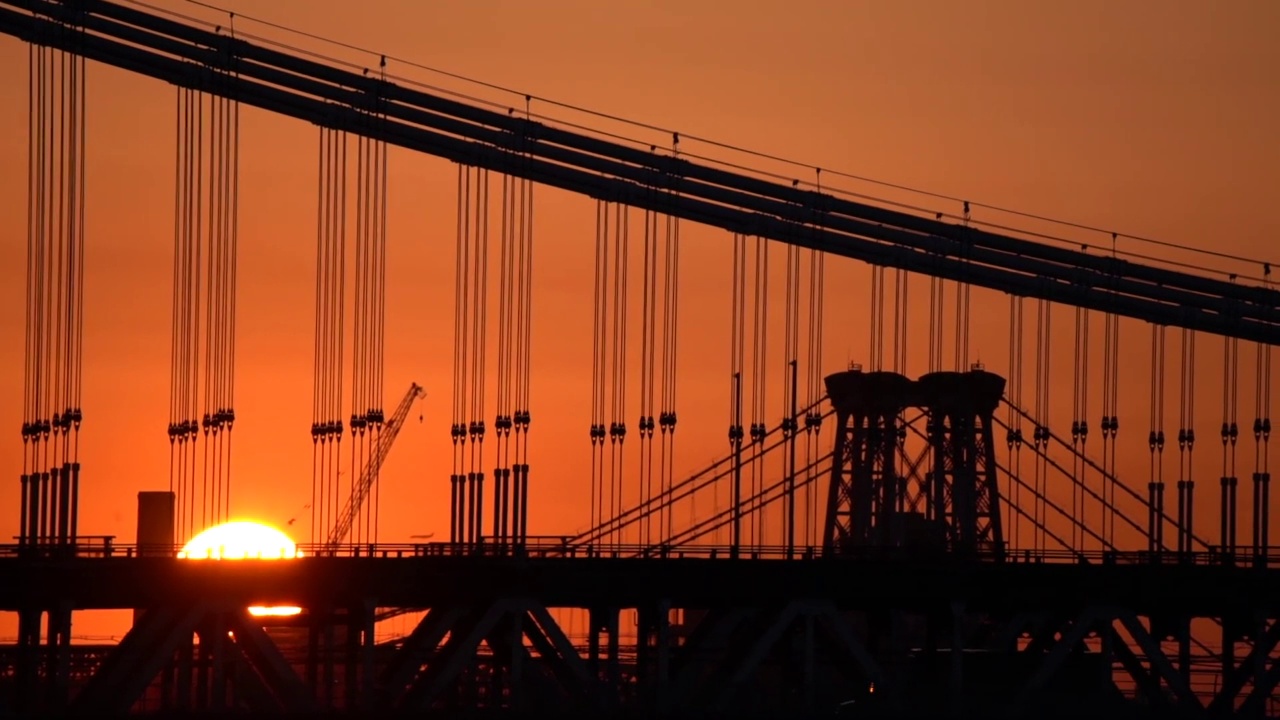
{"points": [[874, 501], [964, 480], [862, 496]]}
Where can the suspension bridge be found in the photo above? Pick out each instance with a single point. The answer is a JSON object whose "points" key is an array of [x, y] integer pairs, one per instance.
{"points": [[957, 540]]}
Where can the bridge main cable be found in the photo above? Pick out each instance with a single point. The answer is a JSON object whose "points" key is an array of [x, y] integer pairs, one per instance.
{"points": [[330, 96]]}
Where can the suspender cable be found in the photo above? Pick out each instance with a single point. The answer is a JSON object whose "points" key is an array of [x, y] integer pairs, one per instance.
{"points": [[326, 428], [648, 354], [599, 349], [73, 270], [962, 307], [1230, 434], [57, 290], [1014, 418], [901, 286], [375, 412], [231, 259], [670, 346], [791, 352], [33, 433], [937, 292], [458, 435], [218, 415], [479, 336], [1109, 358], [212, 279], [502, 422], [737, 346], [331, 292], [1041, 436], [1261, 439], [1080, 427], [209, 380], [178, 432], [618, 369], [366, 416], [184, 428], [1155, 443], [54, 299], [523, 341], [360, 317], [519, 292], [877, 318], [759, 373], [338, 313], [1186, 439], [1110, 414], [196, 290], [318, 381], [321, 432], [72, 414], [815, 390]]}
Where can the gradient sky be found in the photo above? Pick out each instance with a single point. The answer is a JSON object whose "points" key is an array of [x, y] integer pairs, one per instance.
{"points": [[1152, 118]]}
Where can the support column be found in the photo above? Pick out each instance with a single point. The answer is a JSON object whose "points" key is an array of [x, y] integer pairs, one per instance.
{"points": [[864, 468], [957, 658], [368, 642], [522, 513], [186, 669], [961, 408], [28, 670], [662, 673], [219, 682], [615, 660], [455, 511], [807, 664], [351, 659]]}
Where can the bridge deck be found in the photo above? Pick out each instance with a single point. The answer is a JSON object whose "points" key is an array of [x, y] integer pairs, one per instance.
{"points": [[921, 584]]}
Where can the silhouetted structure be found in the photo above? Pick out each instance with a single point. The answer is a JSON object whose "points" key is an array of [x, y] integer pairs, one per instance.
{"points": [[915, 591]]}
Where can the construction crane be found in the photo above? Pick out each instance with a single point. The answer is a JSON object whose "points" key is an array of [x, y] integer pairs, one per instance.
{"points": [[360, 491]]}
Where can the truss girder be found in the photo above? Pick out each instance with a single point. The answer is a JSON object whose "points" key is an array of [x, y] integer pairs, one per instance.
{"points": [[142, 653], [450, 658], [289, 689], [420, 645], [1246, 669], [554, 647], [717, 667], [737, 660], [1159, 682]]}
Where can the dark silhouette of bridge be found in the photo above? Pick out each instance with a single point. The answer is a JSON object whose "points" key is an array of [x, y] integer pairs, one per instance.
{"points": [[907, 592]]}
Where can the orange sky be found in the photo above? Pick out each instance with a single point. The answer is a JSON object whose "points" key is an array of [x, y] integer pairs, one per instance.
{"points": [[1154, 119]]}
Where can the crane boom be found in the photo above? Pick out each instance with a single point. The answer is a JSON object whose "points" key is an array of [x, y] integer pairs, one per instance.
{"points": [[360, 491]]}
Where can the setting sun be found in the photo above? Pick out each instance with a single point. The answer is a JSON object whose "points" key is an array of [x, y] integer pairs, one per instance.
{"points": [[244, 540], [240, 540]]}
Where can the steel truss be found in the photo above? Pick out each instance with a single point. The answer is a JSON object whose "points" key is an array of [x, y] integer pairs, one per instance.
{"points": [[510, 654], [667, 638]]}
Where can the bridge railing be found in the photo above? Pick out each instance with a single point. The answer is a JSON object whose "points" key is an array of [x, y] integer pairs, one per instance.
{"points": [[562, 549]]}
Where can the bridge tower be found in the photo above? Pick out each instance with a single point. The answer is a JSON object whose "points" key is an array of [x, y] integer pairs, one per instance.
{"points": [[865, 495], [962, 487], [955, 504]]}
